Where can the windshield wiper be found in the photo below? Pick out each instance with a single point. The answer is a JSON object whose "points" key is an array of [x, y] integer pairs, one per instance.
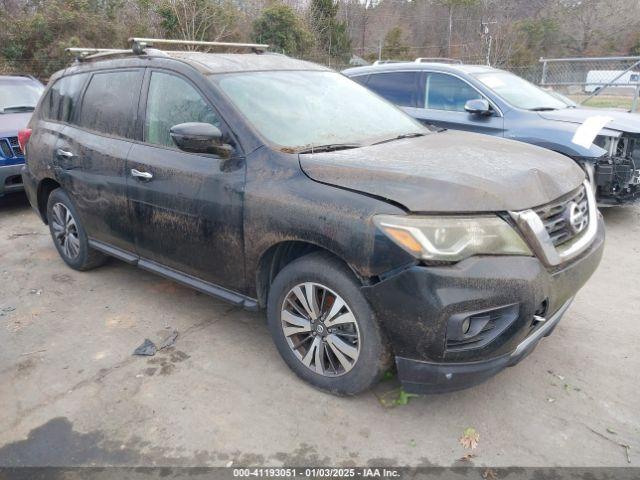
{"points": [[18, 108], [400, 137], [542, 109], [332, 147]]}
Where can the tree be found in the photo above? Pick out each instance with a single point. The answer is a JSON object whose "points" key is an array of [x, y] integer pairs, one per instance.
{"points": [[394, 46], [279, 26], [451, 6], [202, 20], [331, 35]]}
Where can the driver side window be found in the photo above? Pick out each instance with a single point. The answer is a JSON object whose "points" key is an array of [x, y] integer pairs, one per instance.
{"points": [[171, 101], [446, 92]]}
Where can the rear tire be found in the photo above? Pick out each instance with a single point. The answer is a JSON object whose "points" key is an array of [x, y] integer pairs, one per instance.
{"points": [[335, 344], [68, 234]]}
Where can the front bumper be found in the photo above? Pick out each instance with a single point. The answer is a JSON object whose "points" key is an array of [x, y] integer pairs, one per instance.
{"points": [[415, 307], [10, 179]]}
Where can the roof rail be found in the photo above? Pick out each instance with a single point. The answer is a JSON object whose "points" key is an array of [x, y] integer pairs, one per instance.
{"points": [[139, 44], [82, 52], [384, 62], [438, 60]]}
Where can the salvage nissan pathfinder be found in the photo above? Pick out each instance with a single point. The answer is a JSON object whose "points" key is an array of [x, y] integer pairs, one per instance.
{"points": [[279, 184]]}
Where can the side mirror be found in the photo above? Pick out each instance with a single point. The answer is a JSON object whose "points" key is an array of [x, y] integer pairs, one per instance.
{"points": [[200, 138], [478, 106]]}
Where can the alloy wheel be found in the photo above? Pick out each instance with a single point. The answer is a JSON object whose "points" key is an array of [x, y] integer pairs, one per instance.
{"points": [[320, 329], [65, 231]]}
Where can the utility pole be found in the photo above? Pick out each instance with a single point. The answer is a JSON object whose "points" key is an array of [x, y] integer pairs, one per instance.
{"points": [[486, 33]]}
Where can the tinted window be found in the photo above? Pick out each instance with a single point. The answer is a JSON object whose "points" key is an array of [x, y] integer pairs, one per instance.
{"points": [[361, 79], [446, 92], [172, 101], [110, 103], [397, 87], [62, 98]]}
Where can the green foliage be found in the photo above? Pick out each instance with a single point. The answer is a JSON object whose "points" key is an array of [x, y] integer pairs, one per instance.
{"points": [[394, 47], [279, 26], [635, 46], [536, 37], [331, 35]]}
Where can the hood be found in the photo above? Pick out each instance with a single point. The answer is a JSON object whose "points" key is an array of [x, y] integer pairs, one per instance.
{"points": [[450, 172], [10, 123], [622, 121]]}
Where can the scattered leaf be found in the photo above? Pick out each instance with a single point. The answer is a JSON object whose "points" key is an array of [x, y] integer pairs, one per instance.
{"points": [[467, 457], [611, 431], [388, 375], [403, 397], [412, 443], [551, 399], [469, 438]]}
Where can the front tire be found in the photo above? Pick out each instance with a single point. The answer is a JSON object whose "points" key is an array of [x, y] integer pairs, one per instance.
{"points": [[68, 234], [324, 328]]}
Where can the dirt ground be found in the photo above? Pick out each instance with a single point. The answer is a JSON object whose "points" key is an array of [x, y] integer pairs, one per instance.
{"points": [[71, 393]]}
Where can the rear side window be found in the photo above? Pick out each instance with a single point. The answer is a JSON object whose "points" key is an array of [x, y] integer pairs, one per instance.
{"points": [[110, 103], [446, 92], [397, 87], [62, 99], [171, 101]]}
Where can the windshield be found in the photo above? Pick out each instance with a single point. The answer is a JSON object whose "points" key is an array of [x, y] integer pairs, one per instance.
{"points": [[520, 93], [302, 109], [19, 94]]}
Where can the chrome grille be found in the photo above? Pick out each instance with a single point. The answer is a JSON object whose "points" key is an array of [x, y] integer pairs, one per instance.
{"points": [[17, 151], [556, 216], [5, 148]]}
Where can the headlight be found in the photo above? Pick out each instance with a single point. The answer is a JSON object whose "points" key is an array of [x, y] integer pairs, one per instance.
{"points": [[452, 238]]}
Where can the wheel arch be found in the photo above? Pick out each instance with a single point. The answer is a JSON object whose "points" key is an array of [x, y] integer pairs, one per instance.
{"points": [[45, 187], [279, 255]]}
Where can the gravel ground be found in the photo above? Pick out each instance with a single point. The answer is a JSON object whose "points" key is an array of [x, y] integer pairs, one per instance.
{"points": [[71, 393]]}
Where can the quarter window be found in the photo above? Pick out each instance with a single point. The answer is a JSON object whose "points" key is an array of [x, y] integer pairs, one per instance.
{"points": [[171, 101], [62, 99], [110, 103], [446, 92], [397, 87]]}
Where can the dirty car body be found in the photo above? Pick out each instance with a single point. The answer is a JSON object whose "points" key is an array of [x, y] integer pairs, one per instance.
{"points": [[375, 208], [18, 98], [436, 94]]}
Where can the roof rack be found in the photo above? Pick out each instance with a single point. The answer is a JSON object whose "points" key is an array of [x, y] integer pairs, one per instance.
{"points": [[438, 60], [139, 44]]}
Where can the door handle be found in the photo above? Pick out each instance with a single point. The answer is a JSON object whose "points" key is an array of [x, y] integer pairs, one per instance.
{"points": [[141, 175], [64, 153]]}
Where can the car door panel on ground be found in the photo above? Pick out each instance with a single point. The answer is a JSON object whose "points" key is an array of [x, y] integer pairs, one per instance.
{"points": [[186, 208], [92, 154]]}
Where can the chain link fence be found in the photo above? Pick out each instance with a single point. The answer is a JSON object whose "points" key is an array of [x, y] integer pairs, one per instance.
{"points": [[612, 82]]}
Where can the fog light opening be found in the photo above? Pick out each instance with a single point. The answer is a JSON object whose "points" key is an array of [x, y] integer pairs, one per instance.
{"points": [[466, 325]]}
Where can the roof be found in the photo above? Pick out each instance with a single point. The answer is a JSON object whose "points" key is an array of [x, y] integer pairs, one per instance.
{"points": [[441, 67], [211, 63], [242, 62]]}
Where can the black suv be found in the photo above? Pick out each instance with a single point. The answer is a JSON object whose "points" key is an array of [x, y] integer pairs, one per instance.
{"points": [[279, 184]]}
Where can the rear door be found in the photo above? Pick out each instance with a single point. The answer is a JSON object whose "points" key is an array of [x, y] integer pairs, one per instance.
{"points": [[188, 212], [442, 98], [58, 107], [92, 154]]}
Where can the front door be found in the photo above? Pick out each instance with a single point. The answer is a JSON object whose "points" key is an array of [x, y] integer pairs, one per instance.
{"points": [[186, 207], [92, 152], [442, 100]]}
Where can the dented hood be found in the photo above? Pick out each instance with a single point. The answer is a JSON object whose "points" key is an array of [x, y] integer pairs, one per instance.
{"points": [[450, 172], [620, 121]]}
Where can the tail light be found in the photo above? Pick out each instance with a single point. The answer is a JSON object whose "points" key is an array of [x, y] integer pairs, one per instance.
{"points": [[23, 137]]}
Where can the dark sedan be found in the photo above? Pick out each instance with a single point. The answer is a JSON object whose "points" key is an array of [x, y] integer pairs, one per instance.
{"points": [[606, 143]]}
